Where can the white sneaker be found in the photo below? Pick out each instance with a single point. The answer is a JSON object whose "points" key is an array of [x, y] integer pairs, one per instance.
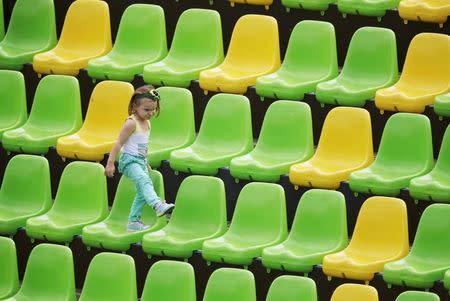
{"points": [[136, 226], [162, 208]]}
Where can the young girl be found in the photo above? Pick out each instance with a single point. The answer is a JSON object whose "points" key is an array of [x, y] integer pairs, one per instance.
{"points": [[133, 142]]}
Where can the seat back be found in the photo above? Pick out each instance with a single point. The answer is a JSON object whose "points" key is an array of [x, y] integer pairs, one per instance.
{"points": [[12, 100], [9, 275], [292, 288], [443, 161], [354, 292], [417, 296], [227, 284]]}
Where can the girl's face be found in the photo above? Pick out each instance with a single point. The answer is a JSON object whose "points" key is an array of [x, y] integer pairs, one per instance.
{"points": [[146, 109]]}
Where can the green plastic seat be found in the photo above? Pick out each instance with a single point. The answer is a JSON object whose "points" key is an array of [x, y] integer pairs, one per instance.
{"points": [[442, 105], [306, 246], [292, 288], [259, 221], [321, 5], [197, 45], [310, 58], [435, 185], [447, 280], [370, 64], [169, 281], [32, 29], [286, 138], [227, 284], [174, 128], [112, 233], [405, 152], [214, 147], [49, 275], [18, 204], [369, 8], [417, 296], [81, 200], [2, 23], [110, 277], [56, 112], [141, 40], [200, 214], [429, 258], [9, 275], [12, 100]]}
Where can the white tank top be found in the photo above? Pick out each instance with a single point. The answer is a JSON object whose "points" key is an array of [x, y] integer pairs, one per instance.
{"points": [[137, 143]]}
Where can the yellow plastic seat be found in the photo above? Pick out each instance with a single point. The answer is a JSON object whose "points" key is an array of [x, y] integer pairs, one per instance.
{"points": [[254, 51], [354, 292], [266, 3], [345, 145], [86, 34], [107, 111], [435, 11], [380, 236], [426, 74]]}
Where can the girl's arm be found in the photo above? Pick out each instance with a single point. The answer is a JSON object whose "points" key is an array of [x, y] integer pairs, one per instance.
{"points": [[127, 129]]}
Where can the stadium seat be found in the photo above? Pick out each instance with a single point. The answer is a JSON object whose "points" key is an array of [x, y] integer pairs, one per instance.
{"points": [[425, 75], [429, 257], [310, 58], [107, 111], [254, 51], [18, 204], [169, 281], [370, 64], [405, 152], [435, 11], [266, 3], [292, 288], [200, 214], [354, 292], [174, 128], [30, 31], [380, 236], [110, 277], [227, 284], [447, 280], [442, 105], [86, 34], [369, 8], [49, 275], [306, 245], [2, 24], [345, 145], [197, 45], [9, 275], [56, 112], [214, 147], [12, 101], [112, 233], [140, 40], [417, 296], [321, 5], [81, 200], [259, 221]]}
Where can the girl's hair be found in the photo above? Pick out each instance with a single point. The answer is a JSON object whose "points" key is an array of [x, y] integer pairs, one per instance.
{"points": [[147, 92]]}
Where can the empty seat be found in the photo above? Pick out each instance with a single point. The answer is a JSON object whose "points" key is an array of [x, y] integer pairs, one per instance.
{"points": [[12, 101], [354, 292], [18, 204], [107, 111], [112, 233], [345, 145], [259, 221], [321, 5], [435, 11], [200, 214], [370, 64], [253, 51], [417, 296], [306, 246], [429, 257], [81, 200], [174, 128], [110, 277], [380, 236], [405, 152], [425, 75], [292, 288], [9, 275], [266, 3], [370, 8], [442, 105], [56, 112], [310, 58], [169, 281], [140, 40], [230, 284], [197, 45], [49, 275], [86, 34], [31, 29], [447, 280], [214, 147], [2, 24]]}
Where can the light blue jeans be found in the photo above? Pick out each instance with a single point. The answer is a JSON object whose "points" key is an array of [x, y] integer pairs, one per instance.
{"points": [[135, 168]]}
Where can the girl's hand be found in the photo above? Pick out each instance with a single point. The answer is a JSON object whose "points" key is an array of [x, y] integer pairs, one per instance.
{"points": [[109, 170]]}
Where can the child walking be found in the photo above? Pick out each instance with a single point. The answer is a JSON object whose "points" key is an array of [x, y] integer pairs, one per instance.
{"points": [[133, 143]]}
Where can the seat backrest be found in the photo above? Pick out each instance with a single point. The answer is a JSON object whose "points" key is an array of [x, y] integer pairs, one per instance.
{"points": [[354, 292], [227, 284], [169, 280], [417, 296], [9, 275], [2, 24], [443, 161], [12, 99], [292, 288], [110, 277], [32, 172]]}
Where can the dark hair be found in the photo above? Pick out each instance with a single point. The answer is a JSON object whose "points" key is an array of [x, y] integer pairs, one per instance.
{"points": [[145, 92]]}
